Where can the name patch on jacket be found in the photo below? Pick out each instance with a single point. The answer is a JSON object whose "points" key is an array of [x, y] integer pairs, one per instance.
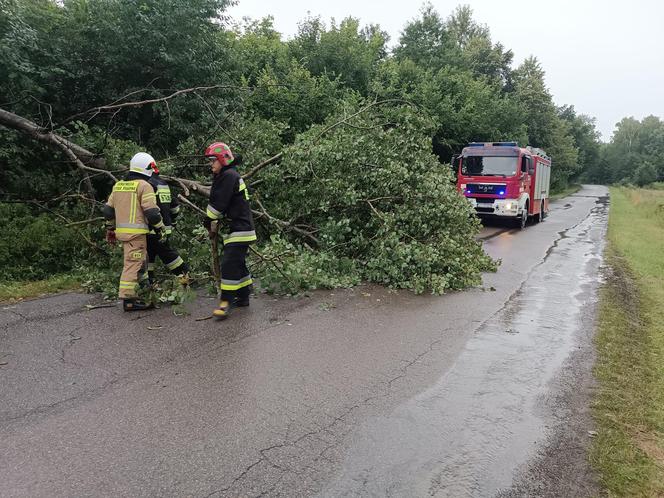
{"points": [[125, 187]]}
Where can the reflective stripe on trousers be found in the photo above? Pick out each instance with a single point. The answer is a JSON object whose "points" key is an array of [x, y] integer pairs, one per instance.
{"points": [[234, 237], [175, 263], [233, 285]]}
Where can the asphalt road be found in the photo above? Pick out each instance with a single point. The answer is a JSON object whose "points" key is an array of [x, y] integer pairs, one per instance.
{"points": [[363, 392]]}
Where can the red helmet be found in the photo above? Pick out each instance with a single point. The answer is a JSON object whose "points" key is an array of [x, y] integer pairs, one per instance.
{"points": [[221, 152]]}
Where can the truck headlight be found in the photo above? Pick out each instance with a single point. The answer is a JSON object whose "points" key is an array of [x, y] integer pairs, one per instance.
{"points": [[508, 206]]}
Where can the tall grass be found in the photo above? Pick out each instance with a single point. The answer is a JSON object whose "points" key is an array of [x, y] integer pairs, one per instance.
{"points": [[629, 403]]}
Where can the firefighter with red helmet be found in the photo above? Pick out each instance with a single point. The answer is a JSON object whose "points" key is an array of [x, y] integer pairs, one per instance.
{"points": [[229, 200], [130, 211]]}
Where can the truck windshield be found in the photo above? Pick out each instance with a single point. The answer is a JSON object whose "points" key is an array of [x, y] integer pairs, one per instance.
{"points": [[489, 165]]}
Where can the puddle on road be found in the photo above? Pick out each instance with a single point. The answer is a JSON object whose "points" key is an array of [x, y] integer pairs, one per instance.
{"points": [[470, 432]]}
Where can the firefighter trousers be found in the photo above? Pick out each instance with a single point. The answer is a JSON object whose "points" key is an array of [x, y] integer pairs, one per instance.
{"points": [[235, 277], [169, 256], [135, 266]]}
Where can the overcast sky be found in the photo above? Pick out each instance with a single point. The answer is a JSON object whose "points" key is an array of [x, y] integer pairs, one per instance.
{"points": [[604, 57]]}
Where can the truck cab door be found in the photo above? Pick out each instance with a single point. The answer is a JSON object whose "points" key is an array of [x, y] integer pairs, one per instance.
{"points": [[527, 171]]}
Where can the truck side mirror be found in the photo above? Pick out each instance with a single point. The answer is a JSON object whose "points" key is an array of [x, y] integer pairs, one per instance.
{"points": [[531, 171]]}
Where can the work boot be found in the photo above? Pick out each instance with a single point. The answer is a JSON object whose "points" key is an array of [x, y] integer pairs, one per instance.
{"points": [[184, 279], [241, 302], [224, 310], [136, 305]]}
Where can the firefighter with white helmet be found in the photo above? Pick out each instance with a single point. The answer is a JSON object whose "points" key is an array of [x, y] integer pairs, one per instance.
{"points": [[130, 212]]}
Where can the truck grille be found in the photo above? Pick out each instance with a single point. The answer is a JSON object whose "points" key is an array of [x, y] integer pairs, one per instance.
{"points": [[485, 188]]}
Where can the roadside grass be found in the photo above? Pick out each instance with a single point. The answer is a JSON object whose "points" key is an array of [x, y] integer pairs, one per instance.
{"points": [[16, 291], [628, 407], [572, 189]]}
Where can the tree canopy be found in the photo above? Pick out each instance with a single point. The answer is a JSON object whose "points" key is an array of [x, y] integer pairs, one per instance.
{"points": [[364, 133]]}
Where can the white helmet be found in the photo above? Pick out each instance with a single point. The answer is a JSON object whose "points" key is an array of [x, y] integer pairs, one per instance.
{"points": [[142, 163]]}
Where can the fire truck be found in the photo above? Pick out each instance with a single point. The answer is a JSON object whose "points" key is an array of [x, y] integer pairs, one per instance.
{"points": [[503, 180]]}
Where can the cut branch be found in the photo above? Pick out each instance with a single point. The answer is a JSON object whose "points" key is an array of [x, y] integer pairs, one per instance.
{"points": [[62, 144], [33, 130], [85, 222], [284, 224], [260, 166], [191, 205], [138, 103], [363, 109]]}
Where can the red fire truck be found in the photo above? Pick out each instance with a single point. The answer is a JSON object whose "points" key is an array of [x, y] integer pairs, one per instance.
{"points": [[503, 180]]}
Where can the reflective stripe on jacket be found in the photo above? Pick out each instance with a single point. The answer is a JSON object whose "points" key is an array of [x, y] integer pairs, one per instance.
{"points": [[130, 200], [229, 199]]}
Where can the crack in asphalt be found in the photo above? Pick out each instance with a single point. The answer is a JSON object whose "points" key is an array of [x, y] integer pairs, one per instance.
{"points": [[563, 234], [326, 429], [294, 444], [72, 340]]}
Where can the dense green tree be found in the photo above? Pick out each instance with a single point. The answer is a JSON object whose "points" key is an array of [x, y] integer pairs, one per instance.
{"points": [[356, 127], [479, 54], [546, 129], [345, 52], [634, 144], [427, 42], [586, 140], [258, 47]]}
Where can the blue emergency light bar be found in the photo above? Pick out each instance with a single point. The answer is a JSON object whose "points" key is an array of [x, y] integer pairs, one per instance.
{"points": [[494, 144]]}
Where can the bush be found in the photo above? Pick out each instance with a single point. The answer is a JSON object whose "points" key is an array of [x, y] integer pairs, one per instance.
{"points": [[380, 204], [646, 173], [37, 245]]}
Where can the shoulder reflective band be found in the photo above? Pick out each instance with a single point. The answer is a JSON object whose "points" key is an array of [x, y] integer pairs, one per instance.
{"points": [[236, 237], [149, 196], [213, 213], [243, 187], [125, 186]]}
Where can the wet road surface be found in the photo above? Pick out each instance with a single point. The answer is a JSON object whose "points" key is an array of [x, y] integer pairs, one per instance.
{"points": [[363, 392]]}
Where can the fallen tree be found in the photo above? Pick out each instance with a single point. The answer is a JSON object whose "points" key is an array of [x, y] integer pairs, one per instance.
{"points": [[357, 198]]}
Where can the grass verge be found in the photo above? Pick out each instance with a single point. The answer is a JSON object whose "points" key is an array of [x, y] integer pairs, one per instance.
{"points": [[628, 407], [15, 291], [572, 189]]}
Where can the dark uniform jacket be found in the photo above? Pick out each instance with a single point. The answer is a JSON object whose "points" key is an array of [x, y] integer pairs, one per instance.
{"points": [[229, 199], [168, 204]]}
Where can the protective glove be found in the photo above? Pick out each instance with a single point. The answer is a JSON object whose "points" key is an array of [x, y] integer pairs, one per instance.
{"points": [[207, 223], [110, 237]]}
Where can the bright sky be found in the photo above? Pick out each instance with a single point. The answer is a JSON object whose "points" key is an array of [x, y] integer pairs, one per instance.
{"points": [[604, 57]]}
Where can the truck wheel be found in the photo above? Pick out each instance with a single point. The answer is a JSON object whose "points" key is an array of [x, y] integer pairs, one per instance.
{"points": [[522, 221]]}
